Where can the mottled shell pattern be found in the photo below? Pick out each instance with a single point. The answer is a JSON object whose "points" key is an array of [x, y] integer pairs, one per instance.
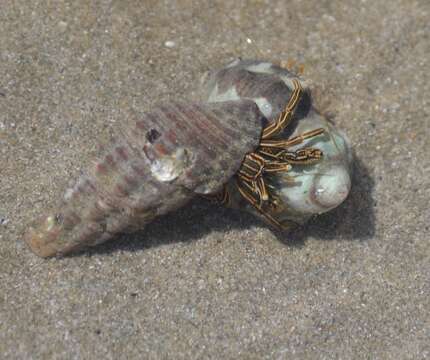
{"points": [[157, 164], [307, 188]]}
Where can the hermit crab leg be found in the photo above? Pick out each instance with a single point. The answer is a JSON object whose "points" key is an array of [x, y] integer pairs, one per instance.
{"points": [[258, 207], [262, 190], [272, 156], [223, 197], [284, 144], [257, 186], [286, 116], [276, 166], [302, 156], [254, 165]]}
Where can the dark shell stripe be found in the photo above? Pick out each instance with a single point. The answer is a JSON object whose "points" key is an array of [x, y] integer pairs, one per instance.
{"points": [[191, 135], [213, 140], [231, 135], [266, 87], [156, 165], [248, 84], [253, 85], [270, 86]]}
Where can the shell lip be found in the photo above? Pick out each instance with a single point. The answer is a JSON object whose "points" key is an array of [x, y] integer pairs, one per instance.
{"points": [[42, 235]]}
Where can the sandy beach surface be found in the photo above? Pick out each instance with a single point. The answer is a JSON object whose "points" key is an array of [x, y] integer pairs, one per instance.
{"points": [[207, 282]]}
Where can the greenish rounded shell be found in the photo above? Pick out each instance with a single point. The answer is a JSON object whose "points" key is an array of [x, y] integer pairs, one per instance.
{"points": [[305, 190]]}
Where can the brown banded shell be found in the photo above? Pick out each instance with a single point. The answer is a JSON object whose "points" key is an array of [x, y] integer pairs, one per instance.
{"points": [[157, 165]]}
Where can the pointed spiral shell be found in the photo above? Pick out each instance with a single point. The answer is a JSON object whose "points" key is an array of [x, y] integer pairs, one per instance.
{"points": [[156, 165]]}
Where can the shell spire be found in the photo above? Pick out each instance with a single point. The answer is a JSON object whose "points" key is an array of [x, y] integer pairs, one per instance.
{"points": [[155, 166]]}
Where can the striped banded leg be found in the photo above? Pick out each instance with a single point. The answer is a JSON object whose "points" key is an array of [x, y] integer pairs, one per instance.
{"points": [[251, 175], [285, 117], [302, 157], [256, 203], [285, 144]]}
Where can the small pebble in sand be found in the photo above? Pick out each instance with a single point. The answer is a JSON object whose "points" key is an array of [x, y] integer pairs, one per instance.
{"points": [[170, 44], [62, 25]]}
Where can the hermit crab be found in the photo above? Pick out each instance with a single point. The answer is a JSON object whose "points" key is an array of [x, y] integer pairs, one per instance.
{"points": [[237, 145], [302, 166]]}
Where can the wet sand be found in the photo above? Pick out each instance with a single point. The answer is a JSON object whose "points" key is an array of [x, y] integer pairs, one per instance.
{"points": [[207, 282]]}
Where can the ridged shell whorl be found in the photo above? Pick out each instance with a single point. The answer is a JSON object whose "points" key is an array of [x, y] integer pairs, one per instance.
{"points": [[155, 166]]}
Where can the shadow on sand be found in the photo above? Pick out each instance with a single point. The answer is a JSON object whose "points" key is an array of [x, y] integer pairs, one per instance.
{"points": [[353, 220]]}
